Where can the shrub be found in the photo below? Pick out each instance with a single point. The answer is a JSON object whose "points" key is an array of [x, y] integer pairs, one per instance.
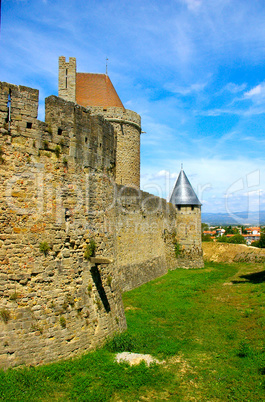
{"points": [[206, 237], [49, 129], [177, 249], [123, 342], [5, 315], [44, 248], [62, 322], [57, 150], [98, 303], [259, 243], [237, 239], [1, 156], [89, 289], [90, 249], [13, 296], [109, 280], [222, 239]]}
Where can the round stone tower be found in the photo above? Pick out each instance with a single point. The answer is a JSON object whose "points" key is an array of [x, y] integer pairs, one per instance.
{"points": [[188, 223], [96, 93], [127, 126]]}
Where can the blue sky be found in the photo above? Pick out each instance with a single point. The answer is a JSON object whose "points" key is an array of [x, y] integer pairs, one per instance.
{"points": [[193, 69]]}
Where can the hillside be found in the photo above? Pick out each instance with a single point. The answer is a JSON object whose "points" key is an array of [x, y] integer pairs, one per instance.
{"points": [[223, 252], [236, 218]]}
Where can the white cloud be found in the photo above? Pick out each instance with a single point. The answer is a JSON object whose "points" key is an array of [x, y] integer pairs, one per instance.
{"points": [[193, 5], [219, 184], [234, 88], [193, 88], [256, 91]]}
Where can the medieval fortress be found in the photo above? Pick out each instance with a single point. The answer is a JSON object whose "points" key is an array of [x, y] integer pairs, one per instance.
{"points": [[76, 230]]}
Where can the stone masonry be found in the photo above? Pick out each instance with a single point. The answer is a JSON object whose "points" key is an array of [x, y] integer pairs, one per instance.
{"points": [[127, 124], [59, 195]]}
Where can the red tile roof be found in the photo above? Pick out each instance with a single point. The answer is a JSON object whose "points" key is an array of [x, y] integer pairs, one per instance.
{"points": [[251, 229], [96, 90]]}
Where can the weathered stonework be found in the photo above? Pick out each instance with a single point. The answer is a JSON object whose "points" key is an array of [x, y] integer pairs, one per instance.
{"points": [[67, 78], [188, 236], [58, 189], [127, 126]]}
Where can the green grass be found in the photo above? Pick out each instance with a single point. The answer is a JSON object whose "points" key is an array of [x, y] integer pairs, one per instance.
{"points": [[207, 324]]}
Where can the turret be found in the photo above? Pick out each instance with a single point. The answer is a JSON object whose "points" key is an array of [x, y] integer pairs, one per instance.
{"points": [[188, 223], [97, 93], [67, 79]]}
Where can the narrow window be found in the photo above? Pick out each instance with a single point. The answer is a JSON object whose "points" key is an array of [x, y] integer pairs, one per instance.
{"points": [[86, 140], [29, 124], [192, 207], [66, 74], [60, 131]]}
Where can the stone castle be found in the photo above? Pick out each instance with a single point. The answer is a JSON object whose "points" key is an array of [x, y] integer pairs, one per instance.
{"points": [[76, 230]]}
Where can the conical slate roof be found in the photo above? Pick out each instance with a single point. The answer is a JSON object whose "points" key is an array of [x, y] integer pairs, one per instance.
{"points": [[183, 193]]}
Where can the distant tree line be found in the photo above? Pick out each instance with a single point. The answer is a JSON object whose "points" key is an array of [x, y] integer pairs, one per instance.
{"points": [[236, 239], [261, 242]]}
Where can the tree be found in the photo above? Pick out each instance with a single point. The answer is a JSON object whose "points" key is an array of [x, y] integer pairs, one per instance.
{"points": [[206, 237], [237, 239], [222, 239], [261, 242], [205, 226]]}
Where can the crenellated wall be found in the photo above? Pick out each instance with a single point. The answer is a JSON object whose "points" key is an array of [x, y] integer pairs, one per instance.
{"points": [[58, 189]]}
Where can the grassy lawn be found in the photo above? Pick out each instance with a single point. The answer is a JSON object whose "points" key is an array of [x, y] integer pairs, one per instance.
{"points": [[208, 325]]}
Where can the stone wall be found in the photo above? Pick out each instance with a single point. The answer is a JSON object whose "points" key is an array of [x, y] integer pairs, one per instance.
{"points": [[188, 236], [58, 193], [145, 230], [127, 126], [59, 304]]}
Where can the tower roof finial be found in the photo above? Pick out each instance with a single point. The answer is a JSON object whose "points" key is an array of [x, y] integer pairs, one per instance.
{"points": [[107, 66]]}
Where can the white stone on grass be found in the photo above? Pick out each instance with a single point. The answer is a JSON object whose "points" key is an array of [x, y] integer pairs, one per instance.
{"points": [[136, 358]]}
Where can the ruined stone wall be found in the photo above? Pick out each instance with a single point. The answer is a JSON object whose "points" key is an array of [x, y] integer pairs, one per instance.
{"points": [[188, 236], [60, 304]]}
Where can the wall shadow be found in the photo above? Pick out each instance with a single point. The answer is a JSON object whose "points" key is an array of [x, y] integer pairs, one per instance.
{"points": [[101, 291], [256, 277]]}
